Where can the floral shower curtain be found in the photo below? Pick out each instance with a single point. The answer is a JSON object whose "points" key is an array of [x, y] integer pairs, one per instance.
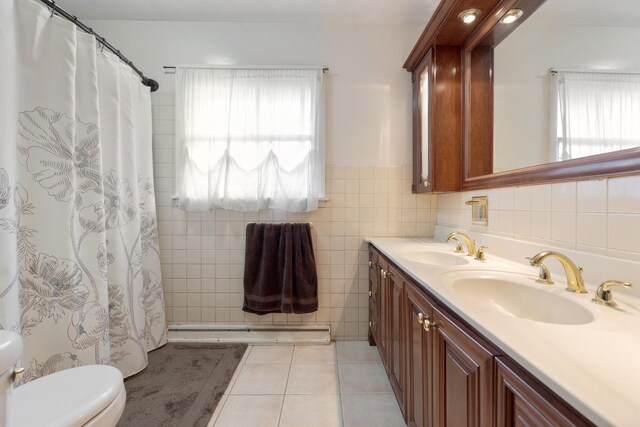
{"points": [[79, 263]]}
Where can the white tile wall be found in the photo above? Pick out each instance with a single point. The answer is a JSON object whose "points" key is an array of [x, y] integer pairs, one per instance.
{"points": [[597, 216], [202, 254]]}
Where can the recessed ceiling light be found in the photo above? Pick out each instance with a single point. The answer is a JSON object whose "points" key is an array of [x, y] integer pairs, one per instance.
{"points": [[469, 15], [511, 16]]}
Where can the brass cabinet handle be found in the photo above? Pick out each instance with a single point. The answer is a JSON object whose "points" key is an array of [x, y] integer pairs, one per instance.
{"points": [[370, 293], [370, 323], [370, 264], [420, 318], [426, 324], [383, 273]]}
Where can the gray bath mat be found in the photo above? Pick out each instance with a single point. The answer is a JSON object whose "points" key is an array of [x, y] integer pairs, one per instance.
{"points": [[181, 386]]}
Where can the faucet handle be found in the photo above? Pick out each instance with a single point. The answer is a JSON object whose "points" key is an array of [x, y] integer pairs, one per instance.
{"points": [[604, 296], [480, 253], [459, 248], [544, 276]]}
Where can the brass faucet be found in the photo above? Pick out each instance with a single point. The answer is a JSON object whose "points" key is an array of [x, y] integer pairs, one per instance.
{"points": [[575, 282], [471, 244]]}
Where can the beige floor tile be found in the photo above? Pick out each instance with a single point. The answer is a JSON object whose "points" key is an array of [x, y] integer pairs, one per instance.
{"points": [[216, 412], [313, 378], [270, 354], [357, 352], [232, 382], [314, 354], [367, 410], [363, 378], [311, 411], [261, 378], [250, 411]]}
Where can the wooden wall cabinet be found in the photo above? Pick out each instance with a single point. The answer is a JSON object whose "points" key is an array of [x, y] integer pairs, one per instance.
{"points": [[442, 371], [437, 131]]}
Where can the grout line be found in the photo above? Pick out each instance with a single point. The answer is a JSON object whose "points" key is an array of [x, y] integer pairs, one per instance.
{"points": [[286, 385], [335, 350], [227, 392]]}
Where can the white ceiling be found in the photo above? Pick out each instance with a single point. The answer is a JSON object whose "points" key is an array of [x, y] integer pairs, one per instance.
{"points": [[601, 13], [311, 11]]}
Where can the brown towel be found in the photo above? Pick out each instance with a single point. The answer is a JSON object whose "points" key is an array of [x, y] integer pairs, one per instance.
{"points": [[280, 269]]}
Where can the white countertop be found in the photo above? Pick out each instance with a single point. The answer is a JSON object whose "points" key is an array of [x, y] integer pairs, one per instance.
{"points": [[594, 366]]}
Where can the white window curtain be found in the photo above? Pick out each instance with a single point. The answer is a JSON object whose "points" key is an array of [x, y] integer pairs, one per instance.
{"points": [[593, 113], [249, 139]]}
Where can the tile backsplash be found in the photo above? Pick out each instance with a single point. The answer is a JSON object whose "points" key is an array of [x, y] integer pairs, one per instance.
{"points": [[202, 254], [597, 216]]}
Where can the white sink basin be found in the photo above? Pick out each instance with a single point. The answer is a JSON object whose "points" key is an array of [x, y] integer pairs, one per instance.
{"points": [[436, 258], [517, 296]]}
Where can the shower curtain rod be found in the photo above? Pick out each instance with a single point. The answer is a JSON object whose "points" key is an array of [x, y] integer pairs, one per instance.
{"points": [[51, 4], [170, 69]]}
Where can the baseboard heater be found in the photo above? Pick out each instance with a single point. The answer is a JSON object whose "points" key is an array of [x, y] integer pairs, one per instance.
{"points": [[251, 334]]}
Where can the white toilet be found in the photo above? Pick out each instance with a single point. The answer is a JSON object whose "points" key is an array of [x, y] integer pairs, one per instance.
{"points": [[91, 395]]}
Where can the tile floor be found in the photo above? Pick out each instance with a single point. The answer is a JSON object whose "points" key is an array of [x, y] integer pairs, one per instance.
{"points": [[342, 384]]}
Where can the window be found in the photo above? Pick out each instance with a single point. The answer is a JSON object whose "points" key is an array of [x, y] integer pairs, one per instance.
{"points": [[249, 139], [594, 113]]}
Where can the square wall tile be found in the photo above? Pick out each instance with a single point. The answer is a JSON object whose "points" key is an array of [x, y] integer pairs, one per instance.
{"points": [[563, 227], [541, 225], [541, 198], [592, 229], [623, 232], [563, 197], [592, 196], [624, 195]]}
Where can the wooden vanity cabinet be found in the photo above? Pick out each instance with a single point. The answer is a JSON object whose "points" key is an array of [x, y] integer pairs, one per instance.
{"points": [[419, 407], [444, 373], [395, 283], [374, 299], [522, 401], [463, 374], [450, 372], [383, 314]]}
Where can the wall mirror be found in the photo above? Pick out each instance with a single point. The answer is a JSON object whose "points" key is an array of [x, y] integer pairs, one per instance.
{"points": [[552, 92]]}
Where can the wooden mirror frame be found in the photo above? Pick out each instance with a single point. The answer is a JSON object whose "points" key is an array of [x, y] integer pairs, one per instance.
{"points": [[623, 162]]}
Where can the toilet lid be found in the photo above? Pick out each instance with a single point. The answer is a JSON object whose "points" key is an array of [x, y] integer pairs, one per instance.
{"points": [[67, 398]]}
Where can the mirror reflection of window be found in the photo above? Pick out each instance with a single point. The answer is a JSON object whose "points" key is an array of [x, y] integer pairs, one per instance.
{"points": [[595, 113], [424, 109]]}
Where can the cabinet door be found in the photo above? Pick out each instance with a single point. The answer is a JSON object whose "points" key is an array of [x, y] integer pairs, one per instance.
{"points": [[437, 126], [396, 283], [522, 401], [463, 375], [383, 301], [419, 359], [374, 320]]}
